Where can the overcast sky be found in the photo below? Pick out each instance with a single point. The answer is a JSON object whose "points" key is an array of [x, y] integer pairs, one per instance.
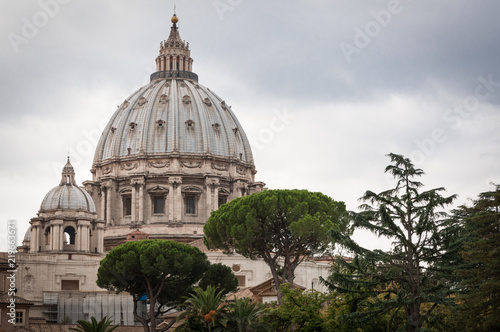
{"points": [[324, 89]]}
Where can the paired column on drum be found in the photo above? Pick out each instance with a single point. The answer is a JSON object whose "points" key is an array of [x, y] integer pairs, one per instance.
{"points": [[175, 198], [212, 194]]}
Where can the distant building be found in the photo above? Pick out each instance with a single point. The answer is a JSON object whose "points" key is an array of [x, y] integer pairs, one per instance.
{"points": [[172, 153]]}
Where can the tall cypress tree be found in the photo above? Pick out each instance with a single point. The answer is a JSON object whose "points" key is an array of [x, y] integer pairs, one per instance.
{"points": [[406, 279], [480, 278]]}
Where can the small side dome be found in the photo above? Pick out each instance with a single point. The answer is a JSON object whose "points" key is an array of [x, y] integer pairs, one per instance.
{"points": [[27, 235], [67, 195]]}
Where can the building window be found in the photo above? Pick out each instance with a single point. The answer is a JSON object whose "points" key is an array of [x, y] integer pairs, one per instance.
{"points": [[70, 285], [222, 200], [127, 205], [158, 204], [20, 317], [69, 235], [241, 281], [190, 203], [191, 195]]}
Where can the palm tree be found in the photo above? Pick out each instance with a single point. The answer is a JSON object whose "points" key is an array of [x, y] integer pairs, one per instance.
{"points": [[203, 310], [244, 316], [94, 326]]}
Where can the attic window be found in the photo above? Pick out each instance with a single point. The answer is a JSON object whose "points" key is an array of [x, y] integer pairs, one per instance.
{"points": [[160, 123], [189, 124], [163, 99], [132, 125], [129, 150], [141, 101]]}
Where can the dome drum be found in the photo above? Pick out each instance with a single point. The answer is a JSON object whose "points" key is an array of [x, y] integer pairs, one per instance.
{"points": [[168, 163]]}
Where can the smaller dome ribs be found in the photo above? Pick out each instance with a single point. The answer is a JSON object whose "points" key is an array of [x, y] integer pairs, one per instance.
{"points": [[67, 195]]}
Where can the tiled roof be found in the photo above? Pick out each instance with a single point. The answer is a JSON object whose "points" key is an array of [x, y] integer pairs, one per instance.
{"points": [[200, 245], [5, 299]]}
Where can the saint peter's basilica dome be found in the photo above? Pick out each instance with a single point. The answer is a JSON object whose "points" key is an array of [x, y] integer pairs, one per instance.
{"points": [[173, 114], [172, 153]]}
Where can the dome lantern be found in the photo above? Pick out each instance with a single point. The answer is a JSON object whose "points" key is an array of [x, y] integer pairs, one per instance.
{"points": [[174, 60], [68, 174]]}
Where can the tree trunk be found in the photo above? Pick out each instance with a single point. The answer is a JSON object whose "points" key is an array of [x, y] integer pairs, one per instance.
{"points": [[152, 323], [413, 318], [276, 279]]}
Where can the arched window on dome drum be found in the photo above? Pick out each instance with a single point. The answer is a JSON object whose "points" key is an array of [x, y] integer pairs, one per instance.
{"points": [[127, 205], [158, 197], [223, 194], [191, 195], [126, 202], [69, 235], [158, 204], [190, 202]]}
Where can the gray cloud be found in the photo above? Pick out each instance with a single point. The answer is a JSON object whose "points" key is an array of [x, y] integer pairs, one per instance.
{"points": [[263, 57]]}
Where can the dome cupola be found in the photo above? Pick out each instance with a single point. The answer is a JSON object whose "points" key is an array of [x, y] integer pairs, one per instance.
{"points": [[67, 195], [174, 59]]}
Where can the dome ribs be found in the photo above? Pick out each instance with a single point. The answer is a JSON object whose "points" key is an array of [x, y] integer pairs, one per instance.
{"points": [[67, 196], [214, 129], [202, 139], [144, 116]]}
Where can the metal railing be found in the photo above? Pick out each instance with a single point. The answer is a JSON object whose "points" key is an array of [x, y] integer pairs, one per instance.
{"points": [[174, 74]]}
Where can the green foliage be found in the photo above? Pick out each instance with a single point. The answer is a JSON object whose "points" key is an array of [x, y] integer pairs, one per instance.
{"points": [[354, 306], [164, 270], [409, 278], [206, 310], [203, 310], [220, 277], [243, 315], [285, 225], [94, 326], [480, 278], [299, 311]]}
